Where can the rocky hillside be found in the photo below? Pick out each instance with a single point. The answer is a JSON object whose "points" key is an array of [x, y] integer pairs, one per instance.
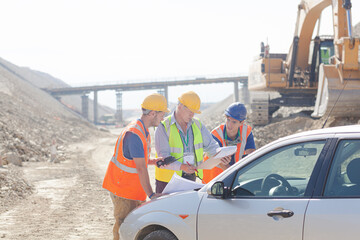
{"points": [[45, 80], [31, 121], [30, 118]]}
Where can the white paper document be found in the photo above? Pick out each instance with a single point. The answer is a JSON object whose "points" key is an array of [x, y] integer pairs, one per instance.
{"points": [[216, 159], [178, 184], [225, 151]]}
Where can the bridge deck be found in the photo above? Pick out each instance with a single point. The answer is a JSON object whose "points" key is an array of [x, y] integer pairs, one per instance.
{"points": [[144, 85]]}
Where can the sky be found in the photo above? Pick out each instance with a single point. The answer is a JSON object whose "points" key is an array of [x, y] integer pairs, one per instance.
{"points": [[92, 42]]}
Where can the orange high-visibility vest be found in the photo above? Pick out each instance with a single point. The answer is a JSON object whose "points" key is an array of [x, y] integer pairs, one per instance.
{"points": [[121, 177], [218, 132]]}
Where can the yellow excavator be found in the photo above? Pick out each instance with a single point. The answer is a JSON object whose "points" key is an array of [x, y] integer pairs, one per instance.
{"points": [[322, 72]]}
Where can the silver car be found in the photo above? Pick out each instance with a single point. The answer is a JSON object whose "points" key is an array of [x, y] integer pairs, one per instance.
{"points": [[305, 186]]}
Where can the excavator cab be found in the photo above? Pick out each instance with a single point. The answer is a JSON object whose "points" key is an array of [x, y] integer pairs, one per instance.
{"points": [[326, 51], [322, 51]]}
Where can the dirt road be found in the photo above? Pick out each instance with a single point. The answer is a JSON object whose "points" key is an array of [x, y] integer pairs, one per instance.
{"points": [[69, 202]]}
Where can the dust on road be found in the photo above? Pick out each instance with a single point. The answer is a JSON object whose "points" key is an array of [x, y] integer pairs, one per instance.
{"points": [[68, 200]]}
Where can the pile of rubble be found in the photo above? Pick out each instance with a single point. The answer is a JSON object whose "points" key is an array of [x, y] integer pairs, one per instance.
{"points": [[27, 134], [31, 123], [284, 122], [12, 186]]}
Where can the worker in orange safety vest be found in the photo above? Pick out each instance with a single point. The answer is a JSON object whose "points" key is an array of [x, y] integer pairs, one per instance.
{"points": [[233, 133], [127, 177]]}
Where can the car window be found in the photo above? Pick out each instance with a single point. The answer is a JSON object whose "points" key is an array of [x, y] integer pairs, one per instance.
{"points": [[344, 177], [284, 172]]}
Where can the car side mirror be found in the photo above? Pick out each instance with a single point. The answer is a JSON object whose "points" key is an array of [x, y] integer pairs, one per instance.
{"points": [[217, 190]]}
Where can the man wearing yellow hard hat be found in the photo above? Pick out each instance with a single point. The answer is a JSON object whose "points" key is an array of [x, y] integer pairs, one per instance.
{"points": [[181, 136], [127, 177]]}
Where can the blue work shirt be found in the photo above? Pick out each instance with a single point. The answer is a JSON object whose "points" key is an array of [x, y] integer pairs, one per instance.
{"points": [[132, 145], [162, 141]]}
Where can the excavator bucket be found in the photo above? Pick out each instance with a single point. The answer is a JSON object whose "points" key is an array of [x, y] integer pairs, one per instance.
{"points": [[338, 93]]}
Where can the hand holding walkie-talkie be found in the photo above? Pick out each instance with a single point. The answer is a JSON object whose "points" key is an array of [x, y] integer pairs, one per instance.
{"points": [[166, 161]]}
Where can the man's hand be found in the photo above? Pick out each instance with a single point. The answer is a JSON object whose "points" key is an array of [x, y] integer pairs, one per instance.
{"points": [[225, 162], [154, 161], [188, 168], [156, 195], [248, 151], [166, 161]]}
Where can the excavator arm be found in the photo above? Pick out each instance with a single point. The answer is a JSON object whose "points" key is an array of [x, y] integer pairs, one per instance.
{"points": [[309, 13]]}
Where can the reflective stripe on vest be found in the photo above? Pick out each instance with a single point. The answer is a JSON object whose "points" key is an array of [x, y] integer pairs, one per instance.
{"points": [[114, 158], [121, 177], [177, 148], [243, 140], [220, 132], [219, 135], [123, 167]]}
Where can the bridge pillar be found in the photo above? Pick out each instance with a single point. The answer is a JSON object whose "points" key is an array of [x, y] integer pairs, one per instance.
{"points": [[118, 114], [236, 91], [95, 107], [245, 93], [85, 106], [164, 92]]}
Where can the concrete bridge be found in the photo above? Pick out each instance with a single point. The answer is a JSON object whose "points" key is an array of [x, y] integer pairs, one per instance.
{"points": [[162, 87]]}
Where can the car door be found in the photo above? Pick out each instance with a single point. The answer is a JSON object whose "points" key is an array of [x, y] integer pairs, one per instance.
{"points": [[335, 212], [266, 199]]}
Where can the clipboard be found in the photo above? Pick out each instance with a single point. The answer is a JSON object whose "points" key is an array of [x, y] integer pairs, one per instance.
{"points": [[216, 159]]}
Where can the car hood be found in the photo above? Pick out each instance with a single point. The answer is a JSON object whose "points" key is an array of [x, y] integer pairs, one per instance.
{"points": [[183, 203]]}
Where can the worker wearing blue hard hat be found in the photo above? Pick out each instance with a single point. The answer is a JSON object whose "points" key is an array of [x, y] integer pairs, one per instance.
{"points": [[233, 133], [237, 111]]}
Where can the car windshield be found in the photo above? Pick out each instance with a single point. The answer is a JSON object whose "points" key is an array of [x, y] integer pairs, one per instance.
{"points": [[282, 172]]}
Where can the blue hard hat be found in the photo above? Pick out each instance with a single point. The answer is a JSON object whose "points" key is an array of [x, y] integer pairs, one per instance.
{"points": [[237, 111]]}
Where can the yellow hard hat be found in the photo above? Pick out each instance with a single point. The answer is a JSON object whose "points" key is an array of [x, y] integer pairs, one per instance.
{"points": [[155, 102], [191, 100]]}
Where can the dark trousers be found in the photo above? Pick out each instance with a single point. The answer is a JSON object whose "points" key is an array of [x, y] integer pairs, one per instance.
{"points": [[159, 186]]}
